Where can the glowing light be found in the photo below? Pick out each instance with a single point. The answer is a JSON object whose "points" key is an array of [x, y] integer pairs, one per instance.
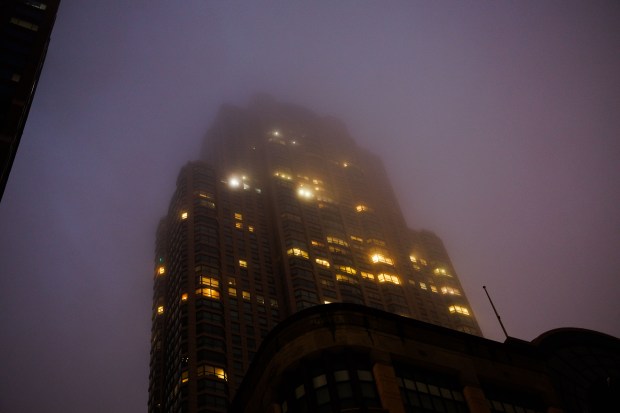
{"points": [[213, 282], [283, 175], [183, 215], [450, 290], [334, 240], [458, 309], [347, 269], [345, 279], [297, 252], [383, 277], [184, 297], [160, 309], [305, 193], [322, 262], [161, 270], [440, 271], [208, 292], [276, 133], [207, 370], [376, 258], [234, 182]]}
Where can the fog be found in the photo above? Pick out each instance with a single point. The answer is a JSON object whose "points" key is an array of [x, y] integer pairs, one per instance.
{"points": [[498, 123]]}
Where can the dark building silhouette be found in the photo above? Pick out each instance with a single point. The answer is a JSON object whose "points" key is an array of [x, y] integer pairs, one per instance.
{"points": [[25, 27], [350, 358], [283, 212]]}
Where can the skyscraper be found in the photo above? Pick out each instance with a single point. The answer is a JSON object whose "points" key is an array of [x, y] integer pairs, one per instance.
{"points": [[283, 212], [25, 27]]}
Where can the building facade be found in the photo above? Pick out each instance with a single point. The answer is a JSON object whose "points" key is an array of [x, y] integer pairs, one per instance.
{"points": [[283, 212], [25, 27], [350, 358]]}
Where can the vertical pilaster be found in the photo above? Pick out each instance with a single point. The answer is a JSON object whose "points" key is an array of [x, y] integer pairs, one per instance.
{"points": [[387, 386], [476, 402]]}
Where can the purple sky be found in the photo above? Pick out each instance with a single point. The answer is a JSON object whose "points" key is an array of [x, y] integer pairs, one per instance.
{"points": [[499, 123]]}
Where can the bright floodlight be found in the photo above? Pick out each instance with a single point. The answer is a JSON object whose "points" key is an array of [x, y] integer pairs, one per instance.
{"points": [[305, 193], [234, 182]]}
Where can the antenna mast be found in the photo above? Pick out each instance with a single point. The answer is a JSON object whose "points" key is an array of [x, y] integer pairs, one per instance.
{"points": [[495, 311]]}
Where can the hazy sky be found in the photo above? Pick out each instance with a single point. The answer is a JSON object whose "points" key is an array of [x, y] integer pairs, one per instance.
{"points": [[498, 122]]}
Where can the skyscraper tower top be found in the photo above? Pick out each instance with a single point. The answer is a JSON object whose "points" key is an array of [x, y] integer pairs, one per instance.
{"points": [[284, 212]]}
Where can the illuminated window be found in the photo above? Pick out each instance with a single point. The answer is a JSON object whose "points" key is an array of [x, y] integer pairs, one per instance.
{"points": [[239, 225], [246, 295], [450, 290], [380, 258], [260, 299], [161, 270], [238, 216], [212, 282], [250, 228], [413, 258], [358, 239], [440, 271], [206, 370], [243, 263], [232, 281], [160, 309], [305, 193], [458, 310], [273, 303], [383, 277], [232, 292], [184, 297], [25, 24], [184, 377], [347, 269], [433, 288], [346, 279], [334, 240], [283, 175], [367, 275], [297, 252], [326, 302], [423, 286], [322, 262], [208, 292], [317, 243], [362, 208], [183, 215]]}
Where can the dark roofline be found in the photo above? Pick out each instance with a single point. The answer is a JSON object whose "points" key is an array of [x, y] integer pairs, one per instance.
{"points": [[333, 315]]}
